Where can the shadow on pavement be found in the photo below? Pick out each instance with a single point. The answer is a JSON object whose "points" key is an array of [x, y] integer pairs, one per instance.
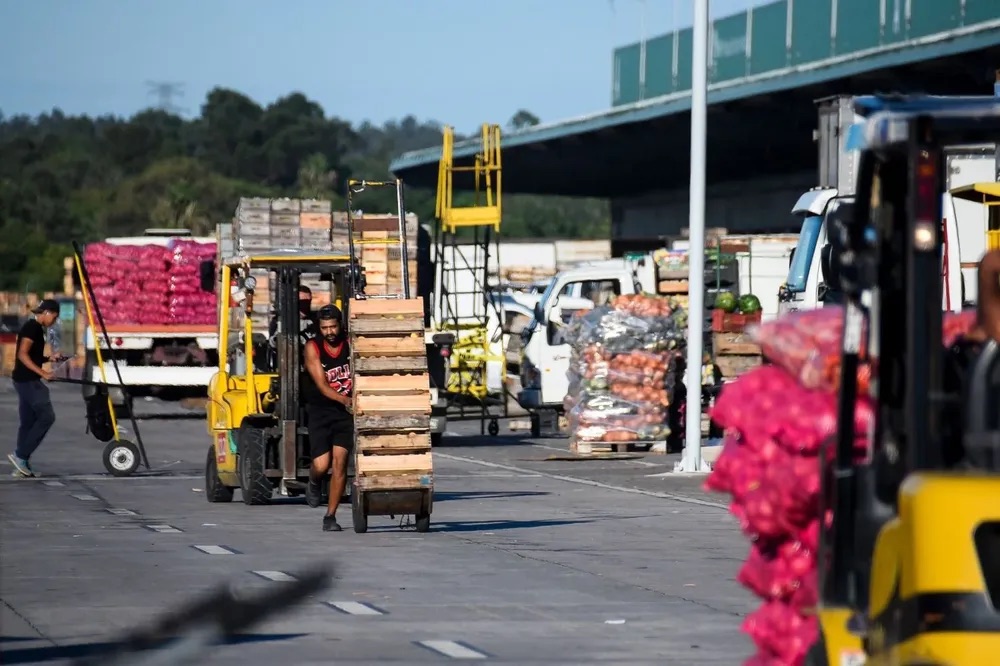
{"points": [[486, 494], [466, 441], [80, 650], [500, 525]]}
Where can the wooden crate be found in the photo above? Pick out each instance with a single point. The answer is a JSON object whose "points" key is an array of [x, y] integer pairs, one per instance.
{"points": [[734, 365], [391, 394], [673, 287], [734, 344]]}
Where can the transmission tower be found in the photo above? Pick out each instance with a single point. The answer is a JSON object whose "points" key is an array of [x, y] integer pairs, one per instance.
{"points": [[165, 92]]}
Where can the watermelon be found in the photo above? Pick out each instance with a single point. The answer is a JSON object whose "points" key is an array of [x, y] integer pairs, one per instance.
{"points": [[749, 304], [725, 301]]}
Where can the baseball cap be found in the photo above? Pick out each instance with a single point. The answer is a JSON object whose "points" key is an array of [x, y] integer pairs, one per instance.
{"points": [[47, 305]]}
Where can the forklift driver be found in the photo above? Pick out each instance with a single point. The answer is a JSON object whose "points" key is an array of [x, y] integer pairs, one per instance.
{"points": [[328, 401], [307, 323]]}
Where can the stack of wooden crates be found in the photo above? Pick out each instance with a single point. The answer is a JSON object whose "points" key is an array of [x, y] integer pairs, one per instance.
{"points": [[393, 467], [382, 262], [262, 225]]}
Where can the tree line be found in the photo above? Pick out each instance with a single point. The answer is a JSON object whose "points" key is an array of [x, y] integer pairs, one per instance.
{"points": [[65, 178]]}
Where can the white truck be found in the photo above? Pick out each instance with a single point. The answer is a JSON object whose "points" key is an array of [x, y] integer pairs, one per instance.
{"points": [[839, 137], [168, 360]]}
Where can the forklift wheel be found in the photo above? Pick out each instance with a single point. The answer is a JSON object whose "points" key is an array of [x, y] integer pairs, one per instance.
{"points": [[494, 428], [255, 487], [423, 522], [358, 512], [121, 458], [536, 425], [214, 490]]}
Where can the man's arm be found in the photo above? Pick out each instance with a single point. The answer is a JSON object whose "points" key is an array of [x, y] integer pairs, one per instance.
{"points": [[316, 372], [25, 358]]}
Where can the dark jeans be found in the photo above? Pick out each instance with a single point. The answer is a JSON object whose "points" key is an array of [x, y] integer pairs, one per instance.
{"points": [[37, 416]]}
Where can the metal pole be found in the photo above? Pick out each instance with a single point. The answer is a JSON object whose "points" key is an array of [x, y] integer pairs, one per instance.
{"points": [[696, 278]]}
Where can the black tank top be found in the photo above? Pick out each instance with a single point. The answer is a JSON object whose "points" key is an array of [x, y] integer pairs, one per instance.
{"points": [[336, 364]]}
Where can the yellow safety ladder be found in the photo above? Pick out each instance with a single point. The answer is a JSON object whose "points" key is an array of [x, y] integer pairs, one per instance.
{"points": [[465, 245]]}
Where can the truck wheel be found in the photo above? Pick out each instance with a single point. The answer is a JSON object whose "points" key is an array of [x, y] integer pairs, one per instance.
{"points": [[254, 485], [359, 513], [536, 425], [121, 458], [214, 490]]}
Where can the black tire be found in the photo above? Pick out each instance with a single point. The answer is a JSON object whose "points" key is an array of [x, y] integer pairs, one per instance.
{"points": [[121, 458], [536, 425], [436, 438], [423, 522], [214, 490], [255, 487], [359, 513], [817, 653], [493, 428]]}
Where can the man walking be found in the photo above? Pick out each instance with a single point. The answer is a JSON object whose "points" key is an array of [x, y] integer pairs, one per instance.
{"points": [[328, 399], [34, 404]]}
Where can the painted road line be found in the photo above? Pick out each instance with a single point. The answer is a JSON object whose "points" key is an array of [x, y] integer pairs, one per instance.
{"points": [[216, 550], [585, 482], [163, 529], [85, 498], [355, 608], [54, 484], [278, 576], [452, 649], [121, 512]]}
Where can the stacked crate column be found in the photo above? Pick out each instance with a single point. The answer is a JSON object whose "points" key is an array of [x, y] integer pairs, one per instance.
{"points": [[391, 396]]}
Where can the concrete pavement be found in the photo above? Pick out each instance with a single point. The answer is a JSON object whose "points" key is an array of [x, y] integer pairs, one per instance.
{"points": [[529, 561]]}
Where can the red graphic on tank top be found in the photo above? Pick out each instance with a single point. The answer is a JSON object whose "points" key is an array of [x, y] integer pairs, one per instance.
{"points": [[339, 379]]}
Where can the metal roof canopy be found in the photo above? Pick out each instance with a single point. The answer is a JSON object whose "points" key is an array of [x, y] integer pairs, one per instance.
{"points": [[987, 194], [757, 126]]}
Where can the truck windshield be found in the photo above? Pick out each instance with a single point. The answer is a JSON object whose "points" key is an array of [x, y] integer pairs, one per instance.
{"points": [[798, 271]]}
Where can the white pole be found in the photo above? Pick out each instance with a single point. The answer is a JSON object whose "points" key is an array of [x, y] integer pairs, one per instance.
{"points": [[696, 309]]}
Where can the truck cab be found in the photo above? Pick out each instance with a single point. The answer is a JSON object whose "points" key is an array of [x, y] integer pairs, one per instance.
{"points": [[545, 354]]}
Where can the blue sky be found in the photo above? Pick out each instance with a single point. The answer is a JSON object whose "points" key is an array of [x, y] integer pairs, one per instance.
{"points": [[463, 62]]}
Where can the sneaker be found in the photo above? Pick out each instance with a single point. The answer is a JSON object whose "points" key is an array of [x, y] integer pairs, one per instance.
{"points": [[330, 524], [313, 492], [20, 465]]}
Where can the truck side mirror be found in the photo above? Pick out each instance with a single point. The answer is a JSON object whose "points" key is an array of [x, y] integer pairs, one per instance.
{"points": [[830, 267], [553, 333], [207, 274]]}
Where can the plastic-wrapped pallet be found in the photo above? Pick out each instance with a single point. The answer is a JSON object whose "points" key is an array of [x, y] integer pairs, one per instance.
{"points": [[622, 373]]}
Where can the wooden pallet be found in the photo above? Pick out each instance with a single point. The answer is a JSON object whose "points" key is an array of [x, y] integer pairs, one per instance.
{"points": [[391, 405]]}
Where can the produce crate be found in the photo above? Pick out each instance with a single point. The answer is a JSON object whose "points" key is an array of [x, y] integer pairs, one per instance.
{"points": [[732, 322], [735, 353]]}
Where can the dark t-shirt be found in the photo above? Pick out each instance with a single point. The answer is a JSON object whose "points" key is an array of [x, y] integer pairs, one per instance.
{"points": [[336, 364], [33, 331]]}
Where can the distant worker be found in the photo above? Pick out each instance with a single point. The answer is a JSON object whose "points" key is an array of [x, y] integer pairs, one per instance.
{"points": [[308, 329], [34, 403], [328, 401], [307, 322]]}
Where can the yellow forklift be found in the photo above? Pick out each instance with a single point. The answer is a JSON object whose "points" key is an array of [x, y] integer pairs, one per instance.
{"points": [[910, 567], [256, 417]]}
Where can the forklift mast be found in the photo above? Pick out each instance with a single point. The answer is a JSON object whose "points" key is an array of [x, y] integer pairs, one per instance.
{"points": [[889, 264]]}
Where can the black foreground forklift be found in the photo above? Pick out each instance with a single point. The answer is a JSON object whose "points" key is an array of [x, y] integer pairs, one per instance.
{"points": [[910, 568]]}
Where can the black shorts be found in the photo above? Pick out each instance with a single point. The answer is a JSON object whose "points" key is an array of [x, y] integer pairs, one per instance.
{"points": [[329, 428]]}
